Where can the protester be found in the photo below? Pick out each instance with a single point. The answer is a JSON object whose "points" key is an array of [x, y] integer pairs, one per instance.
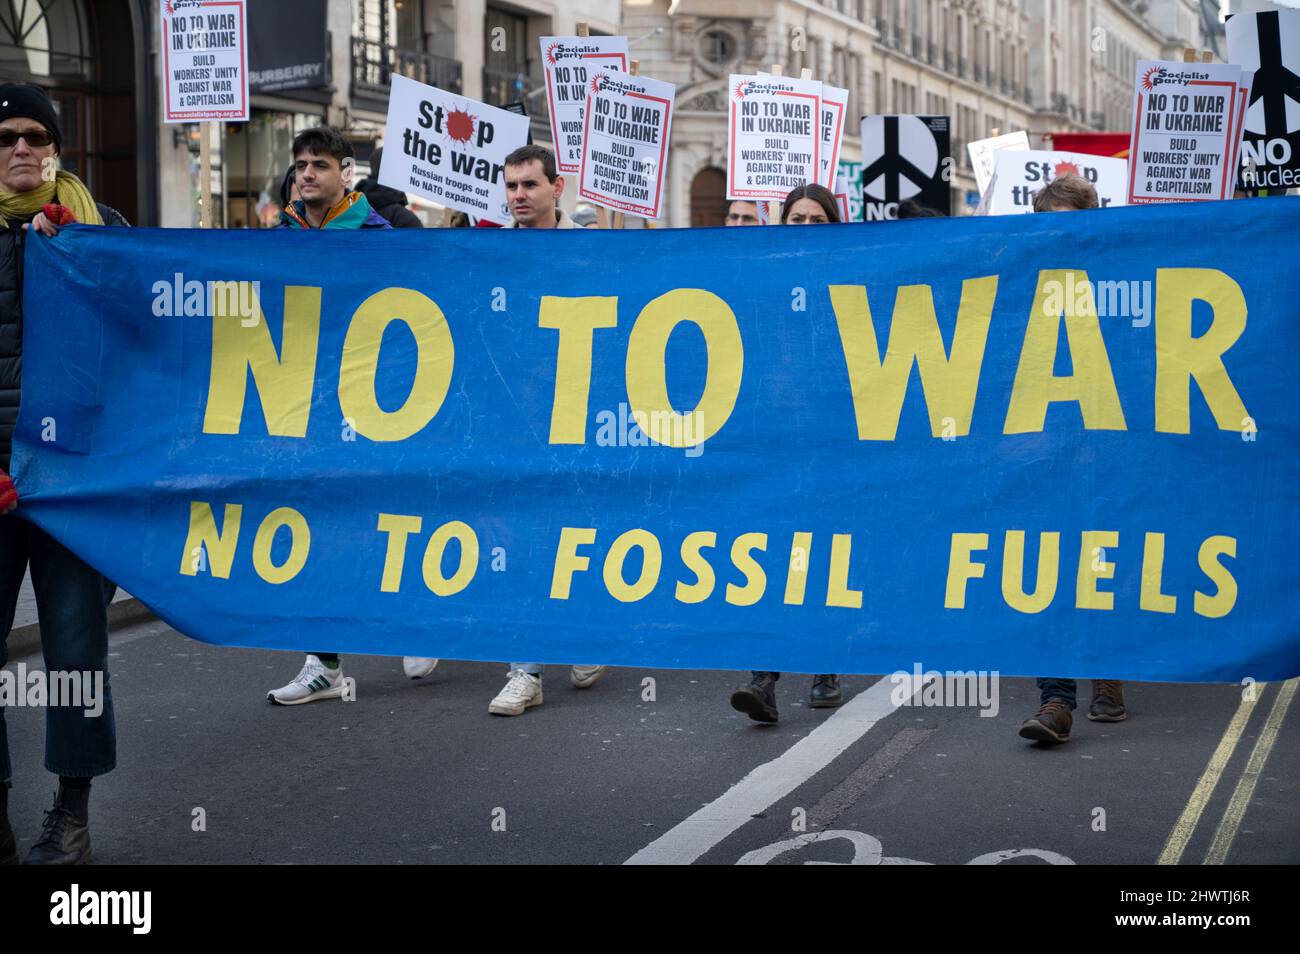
{"points": [[1052, 722], [911, 209], [742, 213], [71, 598], [532, 189], [809, 204], [388, 202], [319, 158], [586, 218], [805, 205], [289, 189]]}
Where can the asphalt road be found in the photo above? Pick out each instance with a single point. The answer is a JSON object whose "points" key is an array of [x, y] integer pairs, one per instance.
{"points": [[418, 771]]}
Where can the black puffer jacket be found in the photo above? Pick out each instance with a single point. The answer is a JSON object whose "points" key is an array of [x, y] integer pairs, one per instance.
{"points": [[389, 203], [11, 324]]}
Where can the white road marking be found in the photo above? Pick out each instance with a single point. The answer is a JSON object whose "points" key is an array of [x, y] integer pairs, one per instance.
{"points": [[772, 781]]}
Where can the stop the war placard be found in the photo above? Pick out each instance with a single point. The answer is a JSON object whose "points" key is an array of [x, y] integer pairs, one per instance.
{"points": [[205, 60], [773, 134], [1019, 175], [449, 148], [625, 136], [1184, 132], [569, 63]]}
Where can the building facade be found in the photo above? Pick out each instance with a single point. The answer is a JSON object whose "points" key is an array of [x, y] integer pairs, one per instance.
{"points": [[993, 66]]}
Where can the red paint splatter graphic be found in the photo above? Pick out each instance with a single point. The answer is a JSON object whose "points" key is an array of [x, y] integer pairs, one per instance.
{"points": [[460, 125], [1064, 169]]}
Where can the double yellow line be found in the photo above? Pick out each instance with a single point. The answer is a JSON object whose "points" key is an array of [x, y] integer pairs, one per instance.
{"points": [[1184, 828]]}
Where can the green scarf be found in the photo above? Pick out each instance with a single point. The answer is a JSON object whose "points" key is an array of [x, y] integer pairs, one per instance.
{"points": [[66, 189]]}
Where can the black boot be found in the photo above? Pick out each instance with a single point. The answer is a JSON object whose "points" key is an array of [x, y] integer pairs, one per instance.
{"points": [[758, 699], [826, 692], [8, 844], [65, 833]]}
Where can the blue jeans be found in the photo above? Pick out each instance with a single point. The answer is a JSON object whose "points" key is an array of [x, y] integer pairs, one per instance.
{"points": [[1062, 689], [72, 607]]}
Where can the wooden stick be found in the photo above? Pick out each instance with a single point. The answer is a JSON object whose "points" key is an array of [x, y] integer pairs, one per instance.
{"points": [[805, 74], [1189, 54], [205, 176], [1207, 56], [602, 217], [584, 30]]}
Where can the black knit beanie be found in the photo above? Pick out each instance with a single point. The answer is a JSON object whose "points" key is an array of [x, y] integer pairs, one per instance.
{"points": [[18, 100]]}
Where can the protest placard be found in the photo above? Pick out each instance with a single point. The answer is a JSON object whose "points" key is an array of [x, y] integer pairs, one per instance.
{"points": [[983, 155], [773, 133], [1018, 175], [833, 108], [568, 65], [851, 174], [904, 157], [1269, 45], [625, 142], [205, 60], [1183, 131], [450, 149], [841, 193]]}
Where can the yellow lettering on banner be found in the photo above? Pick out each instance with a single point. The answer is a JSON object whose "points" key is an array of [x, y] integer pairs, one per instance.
{"points": [[651, 562], [1091, 386], [1013, 571], [438, 584], [1222, 602], [837, 589], [567, 561], [1093, 566], [1153, 564], [961, 568], [283, 381], [702, 588], [434, 353], [949, 383], [576, 319], [398, 527], [755, 578], [300, 544], [647, 385], [1180, 358], [220, 545], [800, 556]]}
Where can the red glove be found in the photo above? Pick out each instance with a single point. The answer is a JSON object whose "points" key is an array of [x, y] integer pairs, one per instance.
{"points": [[8, 493], [59, 215]]}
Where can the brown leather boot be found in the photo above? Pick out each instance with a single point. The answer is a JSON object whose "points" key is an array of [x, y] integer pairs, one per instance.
{"points": [[1107, 701], [1051, 724]]}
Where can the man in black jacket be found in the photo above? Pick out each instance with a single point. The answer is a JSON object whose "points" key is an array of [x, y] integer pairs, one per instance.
{"points": [[72, 599], [389, 203]]}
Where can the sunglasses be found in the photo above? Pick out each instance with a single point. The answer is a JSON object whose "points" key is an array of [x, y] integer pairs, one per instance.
{"points": [[36, 138]]}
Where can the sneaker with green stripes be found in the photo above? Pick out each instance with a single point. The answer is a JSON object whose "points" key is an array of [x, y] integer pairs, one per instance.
{"points": [[316, 681]]}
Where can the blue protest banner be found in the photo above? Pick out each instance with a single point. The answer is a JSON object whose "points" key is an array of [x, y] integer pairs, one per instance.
{"points": [[1080, 455]]}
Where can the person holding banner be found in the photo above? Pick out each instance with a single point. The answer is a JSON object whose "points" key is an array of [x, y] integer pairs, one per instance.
{"points": [[808, 204], [1051, 724], [533, 190], [533, 186], [72, 598], [388, 202], [741, 212], [321, 160]]}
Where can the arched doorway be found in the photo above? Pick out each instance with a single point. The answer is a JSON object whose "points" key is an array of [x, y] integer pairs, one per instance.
{"points": [[84, 55], [709, 198]]}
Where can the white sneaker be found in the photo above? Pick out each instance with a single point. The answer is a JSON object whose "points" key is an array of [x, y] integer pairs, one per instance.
{"points": [[523, 691], [316, 681], [417, 666], [584, 677]]}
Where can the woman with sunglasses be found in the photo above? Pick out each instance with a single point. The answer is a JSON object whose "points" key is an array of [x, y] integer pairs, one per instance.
{"points": [[72, 599], [805, 205]]}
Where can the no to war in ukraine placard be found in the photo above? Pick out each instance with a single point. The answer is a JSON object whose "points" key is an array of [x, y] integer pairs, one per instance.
{"points": [[1060, 444], [629, 121], [569, 63]]}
